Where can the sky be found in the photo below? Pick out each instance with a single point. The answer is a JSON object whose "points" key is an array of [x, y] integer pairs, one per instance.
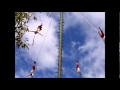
{"points": [[85, 45]]}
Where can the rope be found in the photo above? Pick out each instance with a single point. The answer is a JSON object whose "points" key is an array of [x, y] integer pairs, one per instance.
{"points": [[42, 21], [46, 17], [75, 52], [43, 40], [71, 41], [33, 39], [89, 23], [72, 47]]}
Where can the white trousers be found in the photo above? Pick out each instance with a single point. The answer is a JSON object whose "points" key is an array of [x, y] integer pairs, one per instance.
{"points": [[104, 39], [78, 70]]}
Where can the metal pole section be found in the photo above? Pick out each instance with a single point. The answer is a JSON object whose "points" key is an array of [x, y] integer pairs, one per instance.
{"points": [[119, 59], [119, 44], [60, 46]]}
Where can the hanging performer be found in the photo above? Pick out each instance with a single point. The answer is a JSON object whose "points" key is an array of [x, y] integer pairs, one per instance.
{"points": [[77, 68], [32, 71], [101, 34], [39, 28]]}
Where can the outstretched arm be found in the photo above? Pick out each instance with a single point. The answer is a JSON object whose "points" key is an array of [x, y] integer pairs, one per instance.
{"points": [[101, 30], [31, 31], [40, 34]]}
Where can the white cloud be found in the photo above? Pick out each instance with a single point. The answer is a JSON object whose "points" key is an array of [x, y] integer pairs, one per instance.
{"points": [[96, 50], [45, 74], [17, 76], [94, 18], [94, 45], [74, 43], [22, 73], [48, 54]]}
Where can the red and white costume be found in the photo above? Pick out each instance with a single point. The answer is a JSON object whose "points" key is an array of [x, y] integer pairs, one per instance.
{"points": [[32, 71], [102, 34], [77, 68]]}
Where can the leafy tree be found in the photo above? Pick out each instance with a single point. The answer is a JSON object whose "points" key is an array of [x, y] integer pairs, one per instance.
{"points": [[21, 19]]}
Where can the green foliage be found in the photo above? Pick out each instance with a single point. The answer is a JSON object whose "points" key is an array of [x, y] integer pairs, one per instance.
{"points": [[21, 19]]}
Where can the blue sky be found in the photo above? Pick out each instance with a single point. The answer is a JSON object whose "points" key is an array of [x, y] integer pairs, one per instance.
{"points": [[86, 46]]}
